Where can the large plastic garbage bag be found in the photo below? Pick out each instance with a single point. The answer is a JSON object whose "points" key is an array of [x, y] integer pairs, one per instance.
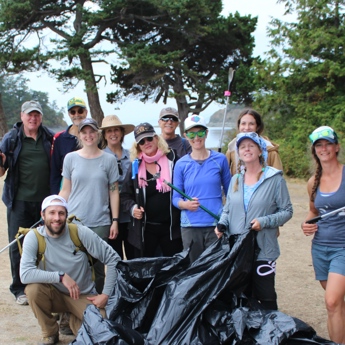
{"points": [[169, 301]]}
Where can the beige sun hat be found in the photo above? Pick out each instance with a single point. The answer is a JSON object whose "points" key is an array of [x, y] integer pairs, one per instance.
{"points": [[114, 121]]}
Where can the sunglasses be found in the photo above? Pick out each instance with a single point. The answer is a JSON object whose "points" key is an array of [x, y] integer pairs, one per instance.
{"points": [[80, 111], [324, 133], [142, 141], [166, 119], [119, 166], [192, 135]]}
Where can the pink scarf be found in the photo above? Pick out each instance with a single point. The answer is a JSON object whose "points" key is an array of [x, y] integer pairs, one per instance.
{"points": [[163, 161]]}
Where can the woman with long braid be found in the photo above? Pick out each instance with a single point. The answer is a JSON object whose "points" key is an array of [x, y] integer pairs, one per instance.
{"points": [[326, 190], [258, 199]]}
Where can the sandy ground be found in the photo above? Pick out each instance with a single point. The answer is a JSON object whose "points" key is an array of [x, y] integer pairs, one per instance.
{"points": [[299, 295]]}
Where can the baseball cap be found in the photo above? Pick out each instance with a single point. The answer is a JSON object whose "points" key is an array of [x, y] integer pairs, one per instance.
{"points": [[30, 106], [88, 122], [194, 121], [76, 102], [143, 130], [54, 200], [257, 140], [324, 132], [168, 111]]}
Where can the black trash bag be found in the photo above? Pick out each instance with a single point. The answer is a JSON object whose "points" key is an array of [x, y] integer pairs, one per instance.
{"points": [[139, 289], [167, 301], [220, 268], [97, 330]]}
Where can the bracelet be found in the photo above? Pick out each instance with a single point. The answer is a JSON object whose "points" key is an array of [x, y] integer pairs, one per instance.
{"points": [[115, 219]]}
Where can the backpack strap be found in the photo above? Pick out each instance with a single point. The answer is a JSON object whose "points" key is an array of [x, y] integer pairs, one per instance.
{"points": [[73, 232], [40, 240], [56, 135]]}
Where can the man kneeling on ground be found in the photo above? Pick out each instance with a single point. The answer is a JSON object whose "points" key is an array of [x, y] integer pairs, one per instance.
{"points": [[62, 281]]}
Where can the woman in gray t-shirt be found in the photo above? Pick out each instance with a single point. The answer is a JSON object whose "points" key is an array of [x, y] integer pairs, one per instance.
{"points": [[90, 184]]}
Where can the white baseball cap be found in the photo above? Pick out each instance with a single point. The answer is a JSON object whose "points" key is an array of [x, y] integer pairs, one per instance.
{"points": [[54, 200], [194, 121]]}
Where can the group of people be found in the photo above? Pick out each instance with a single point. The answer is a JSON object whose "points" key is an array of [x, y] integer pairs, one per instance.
{"points": [[163, 195]]}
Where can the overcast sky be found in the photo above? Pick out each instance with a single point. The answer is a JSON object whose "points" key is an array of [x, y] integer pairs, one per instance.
{"points": [[135, 111]]}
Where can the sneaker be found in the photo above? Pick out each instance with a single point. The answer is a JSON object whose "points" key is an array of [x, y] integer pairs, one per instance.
{"points": [[65, 329], [22, 300], [54, 339]]}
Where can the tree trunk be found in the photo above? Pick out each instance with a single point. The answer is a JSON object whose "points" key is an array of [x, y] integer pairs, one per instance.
{"points": [[91, 88], [3, 125]]}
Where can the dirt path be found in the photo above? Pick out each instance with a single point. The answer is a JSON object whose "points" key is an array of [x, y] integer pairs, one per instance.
{"points": [[299, 294]]}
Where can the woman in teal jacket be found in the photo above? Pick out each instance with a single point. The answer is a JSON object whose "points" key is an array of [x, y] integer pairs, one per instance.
{"points": [[258, 199]]}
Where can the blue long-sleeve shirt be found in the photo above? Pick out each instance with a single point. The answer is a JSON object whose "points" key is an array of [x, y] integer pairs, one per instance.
{"points": [[205, 182]]}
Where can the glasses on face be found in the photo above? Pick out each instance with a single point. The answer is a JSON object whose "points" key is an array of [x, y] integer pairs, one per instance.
{"points": [[142, 141], [166, 119], [80, 111], [324, 133], [192, 135]]}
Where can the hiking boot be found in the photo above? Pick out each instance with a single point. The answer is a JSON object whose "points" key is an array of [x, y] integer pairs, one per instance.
{"points": [[54, 339], [22, 300], [65, 329]]}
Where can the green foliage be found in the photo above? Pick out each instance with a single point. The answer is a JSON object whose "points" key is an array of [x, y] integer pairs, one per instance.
{"points": [[15, 92], [302, 84], [186, 56]]}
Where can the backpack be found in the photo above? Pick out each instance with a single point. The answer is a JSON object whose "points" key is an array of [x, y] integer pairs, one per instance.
{"points": [[73, 231]]}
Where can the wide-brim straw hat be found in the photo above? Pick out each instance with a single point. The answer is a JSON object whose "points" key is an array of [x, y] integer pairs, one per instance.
{"points": [[114, 121]]}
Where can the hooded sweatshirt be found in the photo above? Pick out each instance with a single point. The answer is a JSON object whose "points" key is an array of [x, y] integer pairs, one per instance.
{"points": [[270, 204]]}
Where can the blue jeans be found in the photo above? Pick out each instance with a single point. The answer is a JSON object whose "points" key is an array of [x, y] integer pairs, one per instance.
{"points": [[23, 214]]}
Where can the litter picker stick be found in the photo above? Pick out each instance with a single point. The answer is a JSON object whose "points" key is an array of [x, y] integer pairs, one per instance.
{"points": [[316, 219], [135, 168], [19, 237], [191, 199], [227, 94]]}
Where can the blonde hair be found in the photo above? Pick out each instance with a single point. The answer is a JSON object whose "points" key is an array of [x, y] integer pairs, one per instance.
{"points": [[162, 145], [239, 168]]}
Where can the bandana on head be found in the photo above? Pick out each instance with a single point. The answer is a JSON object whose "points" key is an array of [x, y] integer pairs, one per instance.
{"points": [[257, 140]]}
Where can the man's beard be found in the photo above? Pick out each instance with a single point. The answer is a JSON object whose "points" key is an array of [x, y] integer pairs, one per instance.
{"points": [[57, 232]]}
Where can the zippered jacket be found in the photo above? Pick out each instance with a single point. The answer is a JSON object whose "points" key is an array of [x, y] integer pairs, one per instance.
{"points": [[270, 204], [11, 185]]}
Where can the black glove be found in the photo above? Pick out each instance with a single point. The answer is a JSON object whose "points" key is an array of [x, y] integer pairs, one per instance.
{"points": [[221, 227]]}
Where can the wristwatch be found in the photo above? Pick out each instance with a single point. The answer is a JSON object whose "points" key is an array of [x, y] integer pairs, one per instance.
{"points": [[61, 274], [115, 219]]}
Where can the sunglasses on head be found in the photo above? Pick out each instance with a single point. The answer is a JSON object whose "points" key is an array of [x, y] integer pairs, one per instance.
{"points": [[324, 133], [142, 141], [80, 111], [192, 135], [166, 119]]}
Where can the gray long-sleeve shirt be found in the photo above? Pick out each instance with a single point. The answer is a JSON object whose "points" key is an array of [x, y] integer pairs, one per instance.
{"points": [[60, 255]]}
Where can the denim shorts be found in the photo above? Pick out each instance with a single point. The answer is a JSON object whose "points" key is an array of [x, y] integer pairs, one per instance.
{"points": [[327, 260]]}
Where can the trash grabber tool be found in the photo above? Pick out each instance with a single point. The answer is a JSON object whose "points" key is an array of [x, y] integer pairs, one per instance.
{"points": [[316, 219], [191, 199], [227, 94], [157, 175], [19, 237], [135, 168]]}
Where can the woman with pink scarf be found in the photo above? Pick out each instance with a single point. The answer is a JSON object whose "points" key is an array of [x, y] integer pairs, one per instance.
{"points": [[155, 222]]}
